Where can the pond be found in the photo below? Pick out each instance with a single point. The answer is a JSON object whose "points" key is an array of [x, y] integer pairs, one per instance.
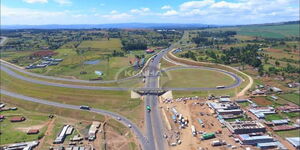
{"points": [[92, 62]]}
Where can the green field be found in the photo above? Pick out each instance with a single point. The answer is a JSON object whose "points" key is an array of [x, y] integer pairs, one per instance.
{"points": [[244, 104], [272, 31], [74, 64], [292, 97], [16, 132], [291, 133], [273, 117], [195, 78], [112, 44]]}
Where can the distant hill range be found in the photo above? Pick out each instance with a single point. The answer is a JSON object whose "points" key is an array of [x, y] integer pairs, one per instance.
{"points": [[131, 26]]}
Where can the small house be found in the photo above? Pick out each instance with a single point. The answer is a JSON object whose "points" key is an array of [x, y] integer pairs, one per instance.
{"points": [[33, 131]]}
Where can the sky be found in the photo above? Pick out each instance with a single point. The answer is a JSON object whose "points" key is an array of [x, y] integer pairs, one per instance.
{"points": [[217, 12]]}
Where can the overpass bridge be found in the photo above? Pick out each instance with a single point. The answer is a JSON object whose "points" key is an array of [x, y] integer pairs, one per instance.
{"points": [[151, 91]]}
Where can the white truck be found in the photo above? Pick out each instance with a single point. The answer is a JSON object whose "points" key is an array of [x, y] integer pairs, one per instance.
{"points": [[194, 132]]}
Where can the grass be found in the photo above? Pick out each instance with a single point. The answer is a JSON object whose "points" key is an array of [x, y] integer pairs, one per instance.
{"points": [[292, 114], [291, 97], [46, 109], [274, 31], [74, 64], [195, 78], [20, 58], [116, 101], [128, 83], [37, 114], [244, 104], [273, 117], [291, 133], [10, 132], [112, 44]]}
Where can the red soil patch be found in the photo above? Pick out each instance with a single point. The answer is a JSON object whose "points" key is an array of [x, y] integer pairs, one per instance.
{"points": [[44, 53], [274, 50], [261, 101]]}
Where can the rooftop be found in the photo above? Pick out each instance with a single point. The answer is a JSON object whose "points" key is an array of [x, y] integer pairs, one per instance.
{"points": [[295, 141]]}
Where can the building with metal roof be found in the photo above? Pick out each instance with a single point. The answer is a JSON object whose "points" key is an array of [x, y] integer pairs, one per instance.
{"points": [[246, 139], [260, 112], [269, 145], [295, 141]]}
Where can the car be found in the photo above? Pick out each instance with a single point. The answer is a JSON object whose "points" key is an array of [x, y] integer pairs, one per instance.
{"points": [[148, 108], [129, 126], [84, 107], [118, 118]]}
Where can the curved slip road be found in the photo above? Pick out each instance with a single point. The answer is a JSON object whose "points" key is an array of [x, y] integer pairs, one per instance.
{"points": [[235, 77], [124, 121], [16, 75], [8, 65]]}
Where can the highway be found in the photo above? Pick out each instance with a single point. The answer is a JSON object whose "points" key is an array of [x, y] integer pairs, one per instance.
{"points": [[154, 124], [123, 120]]}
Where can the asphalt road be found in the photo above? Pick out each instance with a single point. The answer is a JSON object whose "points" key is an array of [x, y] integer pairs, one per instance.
{"points": [[154, 125], [18, 76], [3, 39], [7, 65], [125, 121]]}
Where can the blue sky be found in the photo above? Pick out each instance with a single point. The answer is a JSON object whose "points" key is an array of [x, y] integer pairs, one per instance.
{"points": [[221, 12]]}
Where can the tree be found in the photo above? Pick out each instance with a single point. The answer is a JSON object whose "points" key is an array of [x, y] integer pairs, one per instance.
{"points": [[261, 70], [277, 63], [266, 59]]}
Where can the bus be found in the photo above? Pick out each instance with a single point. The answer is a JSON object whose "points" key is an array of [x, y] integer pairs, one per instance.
{"points": [[220, 87]]}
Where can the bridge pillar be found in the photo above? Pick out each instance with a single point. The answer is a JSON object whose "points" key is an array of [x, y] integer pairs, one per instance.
{"points": [[135, 94]]}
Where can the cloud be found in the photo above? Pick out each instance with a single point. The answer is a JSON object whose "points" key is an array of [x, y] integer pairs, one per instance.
{"points": [[117, 16], [63, 2], [170, 13], [29, 16], [141, 11], [239, 12], [35, 1], [195, 4], [166, 7], [195, 11], [113, 12]]}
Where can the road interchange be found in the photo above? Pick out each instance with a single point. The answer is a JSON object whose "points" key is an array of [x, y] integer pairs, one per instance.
{"points": [[153, 140]]}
